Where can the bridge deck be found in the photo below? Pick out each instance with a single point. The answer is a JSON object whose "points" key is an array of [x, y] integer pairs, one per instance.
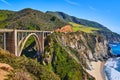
{"points": [[11, 30], [15, 44]]}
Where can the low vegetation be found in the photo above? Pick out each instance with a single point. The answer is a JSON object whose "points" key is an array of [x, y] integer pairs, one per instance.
{"points": [[30, 19], [87, 26], [78, 27], [68, 18], [4, 14], [26, 68]]}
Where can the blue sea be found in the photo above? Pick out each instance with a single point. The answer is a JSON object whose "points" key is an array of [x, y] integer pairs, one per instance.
{"points": [[112, 66], [115, 48]]}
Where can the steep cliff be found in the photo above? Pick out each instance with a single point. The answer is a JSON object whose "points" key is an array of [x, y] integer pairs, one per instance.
{"points": [[73, 52]]}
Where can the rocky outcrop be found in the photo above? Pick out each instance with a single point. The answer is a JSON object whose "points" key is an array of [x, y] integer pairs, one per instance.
{"points": [[110, 36], [83, 47], [66, 28], [72, 53]]}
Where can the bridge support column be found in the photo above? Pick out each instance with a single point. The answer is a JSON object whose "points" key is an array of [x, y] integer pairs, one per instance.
{"points": [[4, 40], [43, 42], [11, 42], [41, 38], [15, 42]]}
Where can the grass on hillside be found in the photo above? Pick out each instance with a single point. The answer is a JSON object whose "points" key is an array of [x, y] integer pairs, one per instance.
{"points": [[78, 27], [26, 68], [4, 14]]}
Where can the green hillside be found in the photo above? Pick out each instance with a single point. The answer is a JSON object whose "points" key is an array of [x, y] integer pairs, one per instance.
{"points": [[67, 18], [31, 19], [25, 68], [78, 27], [4, 14], [102, 30]]}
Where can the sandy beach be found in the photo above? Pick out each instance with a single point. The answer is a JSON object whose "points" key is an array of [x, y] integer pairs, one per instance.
{"points": [[97, 71]]}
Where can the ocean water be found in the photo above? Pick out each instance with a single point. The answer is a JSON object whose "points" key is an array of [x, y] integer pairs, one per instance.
{"points": [[115, 48], [112, 66]]}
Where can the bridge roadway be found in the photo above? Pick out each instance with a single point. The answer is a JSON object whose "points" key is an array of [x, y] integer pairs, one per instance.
{"points": [[14, 40], [34, 31]]}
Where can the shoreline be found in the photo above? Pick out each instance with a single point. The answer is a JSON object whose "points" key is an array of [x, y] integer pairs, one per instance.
{"points": [[97, 72]]}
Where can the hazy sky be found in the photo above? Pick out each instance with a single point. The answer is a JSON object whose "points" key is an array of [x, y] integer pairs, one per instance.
{"points": [[106, 12]]}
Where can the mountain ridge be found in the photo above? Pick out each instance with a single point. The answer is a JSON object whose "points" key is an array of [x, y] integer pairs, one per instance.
{"points": [[69, 18], [33, 19], [111, 36]]}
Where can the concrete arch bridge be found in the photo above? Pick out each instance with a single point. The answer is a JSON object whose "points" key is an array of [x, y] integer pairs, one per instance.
{"points": [[14, 40]]}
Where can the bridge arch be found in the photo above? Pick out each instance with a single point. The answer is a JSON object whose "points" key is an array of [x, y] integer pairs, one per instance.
{"points": [[22, 42]]}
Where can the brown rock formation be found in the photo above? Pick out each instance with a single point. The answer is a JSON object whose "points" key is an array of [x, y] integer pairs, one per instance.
{"points": [[66, 28]]}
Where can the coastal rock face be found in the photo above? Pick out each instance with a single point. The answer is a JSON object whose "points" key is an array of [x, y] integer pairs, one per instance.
{"points": [[88, 47], [83, 47], [110, 36], [70, 53]]}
